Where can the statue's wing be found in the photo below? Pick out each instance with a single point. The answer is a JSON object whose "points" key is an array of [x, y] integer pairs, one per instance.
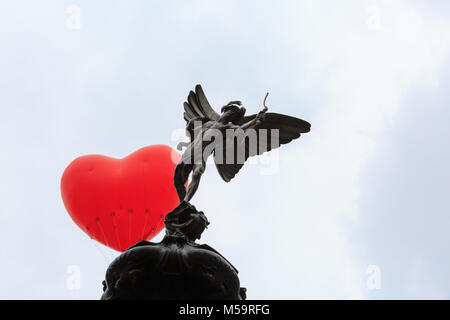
{"points": [[290, 128], [198, 107]]}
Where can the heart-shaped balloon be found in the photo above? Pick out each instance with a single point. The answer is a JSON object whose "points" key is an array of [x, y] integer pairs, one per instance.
{"points": [[119, 202]]}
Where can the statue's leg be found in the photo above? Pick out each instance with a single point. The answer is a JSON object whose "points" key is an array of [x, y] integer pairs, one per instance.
{"points": [[182, 172], [193, 186]]}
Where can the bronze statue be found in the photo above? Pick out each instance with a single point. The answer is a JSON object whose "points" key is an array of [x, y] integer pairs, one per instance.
{"points": [[207, 131], [178, 267]]}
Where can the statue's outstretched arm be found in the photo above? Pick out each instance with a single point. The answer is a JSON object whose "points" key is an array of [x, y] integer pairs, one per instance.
{"points": [[255, 121], [259, 117]]}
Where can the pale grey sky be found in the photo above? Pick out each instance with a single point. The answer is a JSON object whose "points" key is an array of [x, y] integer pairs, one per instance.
{"points": [[368, 185]]}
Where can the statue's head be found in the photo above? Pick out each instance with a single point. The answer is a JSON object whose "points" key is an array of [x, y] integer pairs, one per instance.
{"points": [[232, 112]]}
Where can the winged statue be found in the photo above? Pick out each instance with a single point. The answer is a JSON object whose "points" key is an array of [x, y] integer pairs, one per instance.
{"points": [[231, 137]]}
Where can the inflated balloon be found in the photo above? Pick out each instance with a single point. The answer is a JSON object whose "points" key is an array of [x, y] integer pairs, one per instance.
{"points": [[119, 202]]}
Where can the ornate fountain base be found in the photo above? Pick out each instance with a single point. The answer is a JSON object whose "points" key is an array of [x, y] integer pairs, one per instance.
{"points": [[175, 268]]}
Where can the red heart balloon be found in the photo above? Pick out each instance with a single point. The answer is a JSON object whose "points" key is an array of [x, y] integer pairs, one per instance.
{"points": [[119, 202]]}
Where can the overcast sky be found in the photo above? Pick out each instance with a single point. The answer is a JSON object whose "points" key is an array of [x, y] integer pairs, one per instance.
{"points": [[363, 196]]}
